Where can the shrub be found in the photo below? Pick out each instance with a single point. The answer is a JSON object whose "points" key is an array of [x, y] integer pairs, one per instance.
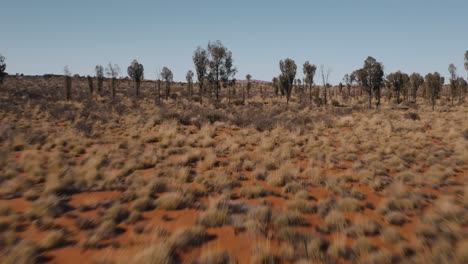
{"points": [[217, 256], [158, 253], [142, 204], [25, 252], [253, 191], [303, 206], [395, 218], [391, 235], [54, 239], [338, 248], [187, 237], [336, 221], [290, 218], [116, 213], [364, 226], [213, 218], [349, 204], [171, 201]]}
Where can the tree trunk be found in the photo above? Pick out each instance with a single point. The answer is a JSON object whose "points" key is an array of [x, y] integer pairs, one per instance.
{"points": [[90, 85], [137, 87], [113, 88], [68, 87], [310, 94]]}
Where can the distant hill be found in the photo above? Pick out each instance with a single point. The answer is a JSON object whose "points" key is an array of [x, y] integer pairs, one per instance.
{"points": [[254, 81]]}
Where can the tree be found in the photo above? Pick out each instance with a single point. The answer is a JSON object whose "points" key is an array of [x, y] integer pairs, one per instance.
{"points": [[168, 77], [275, 85], [396, 81], [113, 72], [220, 65], [100, 77], [189, 79], [2, 68], [416, 81], [466, 61], [90, 84], [249, 86], [68, 82], [288, 73], [309, 73], [348, 81], [434, 83], [453, 81], [462, 88], [325, 75], [200, 59], [371, 77], [359, 76], [136, 72]]}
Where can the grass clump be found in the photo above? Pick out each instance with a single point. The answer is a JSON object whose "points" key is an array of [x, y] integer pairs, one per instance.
{"points": [[253, 191], [54, 239], [188, 237], [171, 201], [349, 204], [217, 256], [396, 218], [336, 221]]}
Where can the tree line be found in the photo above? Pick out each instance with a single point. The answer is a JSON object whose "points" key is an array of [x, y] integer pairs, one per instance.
{"points": [[215, 71]]}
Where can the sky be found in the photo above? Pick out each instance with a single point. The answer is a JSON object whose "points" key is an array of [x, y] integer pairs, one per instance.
{"points": [[39, 37]]}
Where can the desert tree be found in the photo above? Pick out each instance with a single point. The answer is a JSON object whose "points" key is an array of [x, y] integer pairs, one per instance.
{"points": [[2, 68], [68, 82], [462, 89], [100, 77], [434, 83], [325, 72], [220, 65], [348, 81], [288, 73], [200, 60], [396, 83], [113, 71], [248, 77], [359, 76], [168, 77], [275, 84], [416, 81], [189, 79], [90, 84], [406, 87], [466, 61], [309, 73], [136, 71], [228, 71], [372, 79], [453, 81]]}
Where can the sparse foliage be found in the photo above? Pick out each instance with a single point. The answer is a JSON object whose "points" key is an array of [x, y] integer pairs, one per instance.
{"points": [[100, 77], [248, 77], [200, 59], [168, 77], [189, 79], [396, 81], [288, 73], [220, 65], [136, 72], [2, 68], [113, 72], [416, 81], [453, 81], [309, 73], [68, 82], [434, 83], [371, 78]]}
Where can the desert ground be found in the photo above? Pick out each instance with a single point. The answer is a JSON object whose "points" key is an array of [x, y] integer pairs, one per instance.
{"points": [[138, 180]]}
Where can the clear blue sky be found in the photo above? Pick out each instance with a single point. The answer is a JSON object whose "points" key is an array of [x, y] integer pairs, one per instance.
{"points": [[40, 37]]}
